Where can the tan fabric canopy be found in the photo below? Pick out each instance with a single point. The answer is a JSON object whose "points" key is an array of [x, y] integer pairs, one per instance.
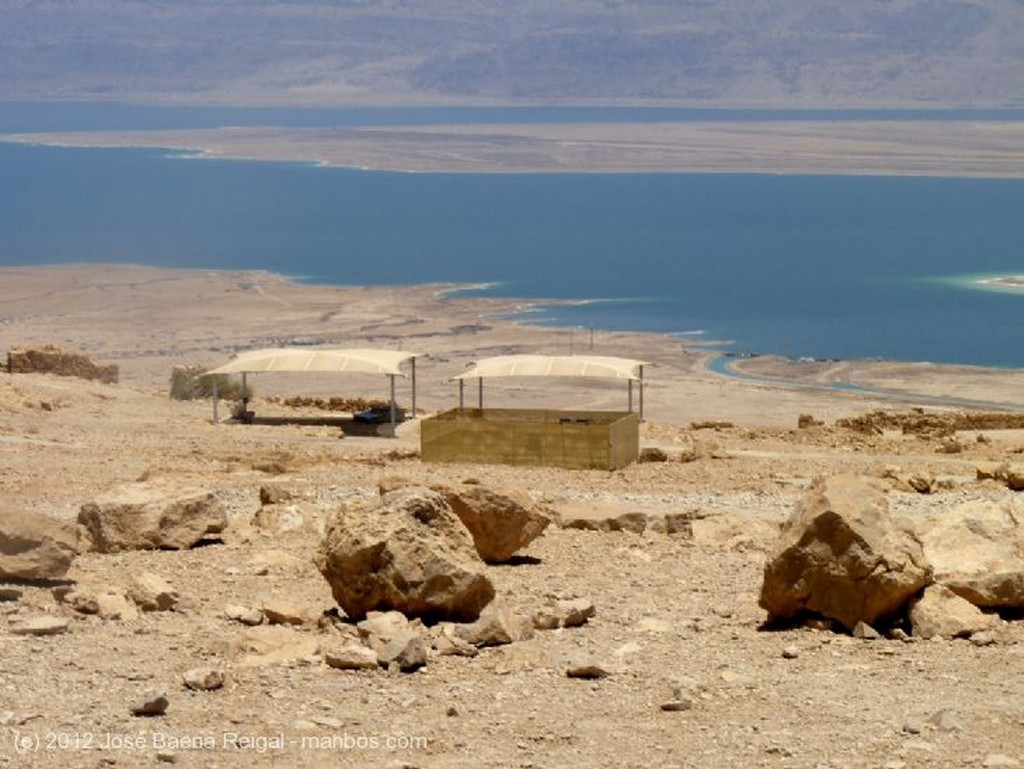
{"points": [[555, 365], [361, 360]]}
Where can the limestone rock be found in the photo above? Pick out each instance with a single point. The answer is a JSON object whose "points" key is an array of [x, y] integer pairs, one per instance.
{"points": [[34, 547], [410, 553], [274, 495], [394, 640], [114, 605], [274, 644], [501, 523], [496, 626], [1015, 478], [289, 518], [203, 679], [634, 523], [447, 643], [840, 556], [587, 668], [152, 703], [941, 613], [652, 454], [282, 611], [151, 592], [350, 655], [39, 626], [566, 613], [976, 549], [144, 516], [246, 615]]}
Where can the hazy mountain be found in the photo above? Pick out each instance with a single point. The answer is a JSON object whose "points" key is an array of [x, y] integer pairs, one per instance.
{"points": [[744, 52]]}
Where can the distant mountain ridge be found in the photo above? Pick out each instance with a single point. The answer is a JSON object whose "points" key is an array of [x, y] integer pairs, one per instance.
{"points": [[729, 52]]}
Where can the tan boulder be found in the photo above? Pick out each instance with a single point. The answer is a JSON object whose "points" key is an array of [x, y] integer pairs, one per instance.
{"points": [[497, 625], [34, 546], [976, 549], [297, 517], [408, 553], [502, 523], [274, 645], [394, 640], [941, 613], [144, 516], [151, 592], [840, 556]]}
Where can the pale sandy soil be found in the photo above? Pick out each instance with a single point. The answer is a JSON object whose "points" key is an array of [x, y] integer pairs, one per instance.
{"points": [[670, 609], [936, 148]]}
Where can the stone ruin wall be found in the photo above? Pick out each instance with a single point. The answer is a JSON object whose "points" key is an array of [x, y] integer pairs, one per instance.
{"points": [[53, 360]]}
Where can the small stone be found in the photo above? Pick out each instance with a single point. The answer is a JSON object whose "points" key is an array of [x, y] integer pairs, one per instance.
{"points": [[576, 612], [116, 606], [587, 669], [791, 652], [865, 632], [328, 722], [677, 705], [167, 757], [10, 593], [39, 626], [452, 711], [947, 721], [913, 726], [350, 656], [282, 612], [203, 679], [244, 614], [999, 761], [151, 592], [152, 703]]}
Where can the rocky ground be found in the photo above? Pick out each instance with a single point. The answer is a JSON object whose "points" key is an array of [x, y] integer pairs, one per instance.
{"points": [[683, 670]]}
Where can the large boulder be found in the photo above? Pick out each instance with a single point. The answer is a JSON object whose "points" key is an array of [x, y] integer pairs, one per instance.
{"points": [[841, 556], [501, 523], [976, 549], [144, 516], [409, 553], [34, 547]]}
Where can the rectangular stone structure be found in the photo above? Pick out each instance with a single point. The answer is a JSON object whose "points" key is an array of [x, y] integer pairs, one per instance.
{"points": [[600, 440]]}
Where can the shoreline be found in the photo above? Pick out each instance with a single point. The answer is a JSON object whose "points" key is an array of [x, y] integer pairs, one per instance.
{"points": [[941, 148], [147, 319]]}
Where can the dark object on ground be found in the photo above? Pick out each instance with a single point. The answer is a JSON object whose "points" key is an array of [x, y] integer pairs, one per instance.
{"points": [[379, 415]]}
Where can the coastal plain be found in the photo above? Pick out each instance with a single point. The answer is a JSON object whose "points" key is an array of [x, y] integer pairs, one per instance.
{"points": [[934, 147], [676, 616]]}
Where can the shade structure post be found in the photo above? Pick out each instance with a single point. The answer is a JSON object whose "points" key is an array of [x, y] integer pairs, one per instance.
{"points": [[641, 380], [462, 395], [215, 419], [480, 393], [391, 377], [630, 407], [413, 364]]}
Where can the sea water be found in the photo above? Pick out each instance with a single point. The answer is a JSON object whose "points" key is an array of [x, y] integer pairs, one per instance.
{"points": [[806, 266]]}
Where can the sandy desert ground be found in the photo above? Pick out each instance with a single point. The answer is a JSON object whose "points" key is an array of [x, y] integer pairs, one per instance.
{"points": [[676, 615]]}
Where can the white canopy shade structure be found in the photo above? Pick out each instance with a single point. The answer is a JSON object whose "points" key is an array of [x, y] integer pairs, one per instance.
{"points": [[556, 366], [330, 360]]}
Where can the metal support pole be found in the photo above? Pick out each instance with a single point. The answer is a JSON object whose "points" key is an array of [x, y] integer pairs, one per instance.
{"points": [[392, 378], [480, 393], [630, 396], [414, 388], [215, 418], [462, 395], [641, 393]]}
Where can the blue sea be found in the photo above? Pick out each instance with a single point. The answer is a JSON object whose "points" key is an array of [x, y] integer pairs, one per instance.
{"points": [[805, 266]]}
